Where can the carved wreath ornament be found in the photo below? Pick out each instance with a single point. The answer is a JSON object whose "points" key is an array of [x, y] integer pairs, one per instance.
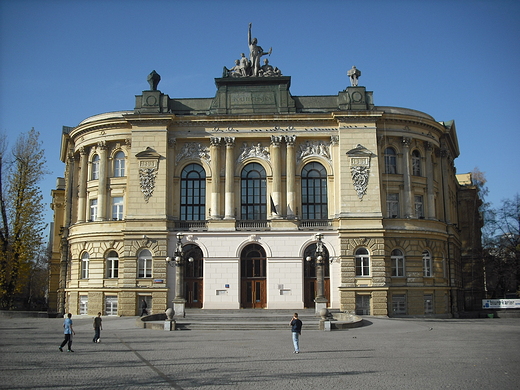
{"points": [[148, 168]]}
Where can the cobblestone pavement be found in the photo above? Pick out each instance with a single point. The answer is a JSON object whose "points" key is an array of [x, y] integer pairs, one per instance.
{"points": [[385, 354]]}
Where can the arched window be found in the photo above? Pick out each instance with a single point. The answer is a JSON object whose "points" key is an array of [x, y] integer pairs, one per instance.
{"points": [[314, 191], [85, 263], [95, 168], [119, 164], [253, 192], [193, 193], [390, 161], [416, 163], [362, 262], [427, 264], [112, 265], [397, 260], [145, 264]]}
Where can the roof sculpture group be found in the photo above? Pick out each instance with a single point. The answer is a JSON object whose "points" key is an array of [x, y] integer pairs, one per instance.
{"points": [[250, 67]]}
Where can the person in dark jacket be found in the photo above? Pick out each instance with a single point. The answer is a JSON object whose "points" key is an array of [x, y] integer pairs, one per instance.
{"points": [[296, 327]]}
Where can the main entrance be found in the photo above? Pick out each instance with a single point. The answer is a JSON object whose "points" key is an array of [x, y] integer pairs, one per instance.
{"points": [[253, 277], [193, 276]]}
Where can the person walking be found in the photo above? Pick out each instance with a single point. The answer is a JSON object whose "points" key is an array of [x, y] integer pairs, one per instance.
{"points": [[68, 332], [144, 308], [296, 329], [97, 328]]}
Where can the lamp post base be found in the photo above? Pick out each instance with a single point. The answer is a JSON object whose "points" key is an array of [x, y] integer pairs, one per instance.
{"points": [[318, 306], [179, 308]]}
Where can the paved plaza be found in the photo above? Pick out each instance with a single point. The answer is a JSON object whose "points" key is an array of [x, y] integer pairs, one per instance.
{"points": [[385, 354]]}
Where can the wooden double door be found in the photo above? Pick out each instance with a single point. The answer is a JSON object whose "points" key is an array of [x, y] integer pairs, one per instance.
{"points": [[193, 276], [253, 278]]}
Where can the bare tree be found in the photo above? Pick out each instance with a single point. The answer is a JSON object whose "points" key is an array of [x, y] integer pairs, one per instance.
{"points": [[22, 213], [502, 248]]}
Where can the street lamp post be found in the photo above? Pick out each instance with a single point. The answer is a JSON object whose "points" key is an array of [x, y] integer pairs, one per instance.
{"points": [[179, 261], [319, 259]]}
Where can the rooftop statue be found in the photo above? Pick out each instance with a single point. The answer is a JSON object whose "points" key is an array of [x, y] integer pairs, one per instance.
{"points": [[153, 80], [354, 74], [268, 71], [255, 52]]}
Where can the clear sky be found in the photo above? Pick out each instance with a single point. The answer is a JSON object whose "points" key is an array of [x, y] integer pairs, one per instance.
{"points": [[64, 61]]}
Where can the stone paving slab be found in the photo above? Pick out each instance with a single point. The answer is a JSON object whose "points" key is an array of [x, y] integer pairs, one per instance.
{"points": [[386, 354]]}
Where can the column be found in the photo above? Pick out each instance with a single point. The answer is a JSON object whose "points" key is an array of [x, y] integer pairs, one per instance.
{"points": [[229, 201], [407, 178], [291, 179], [102, 184], [445, 172], [276, 194], [215, 174], [430, 195], [82, 191]]}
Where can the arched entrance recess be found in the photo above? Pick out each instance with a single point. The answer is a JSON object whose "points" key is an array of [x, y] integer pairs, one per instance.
{"points": [[193, 275], [309, 276], [253, 277]]}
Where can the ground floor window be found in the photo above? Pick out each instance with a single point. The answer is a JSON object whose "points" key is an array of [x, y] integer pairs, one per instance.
{"points": [[363, 305], [111, 305], [399, 304], [83, 304], [428, 304]]}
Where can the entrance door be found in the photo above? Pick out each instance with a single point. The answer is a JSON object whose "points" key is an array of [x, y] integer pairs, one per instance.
{"points": [[310, 283], [253, 272], [193, 276]]}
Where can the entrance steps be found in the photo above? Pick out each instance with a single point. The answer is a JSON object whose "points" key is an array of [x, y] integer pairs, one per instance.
{"points": [[245, 319]]}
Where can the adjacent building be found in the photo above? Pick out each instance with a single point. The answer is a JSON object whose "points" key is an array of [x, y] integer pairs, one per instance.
{"points": [[249, 178]]}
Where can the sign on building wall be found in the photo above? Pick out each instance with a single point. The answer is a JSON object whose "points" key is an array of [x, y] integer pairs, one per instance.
{"points": [[501, 303]]}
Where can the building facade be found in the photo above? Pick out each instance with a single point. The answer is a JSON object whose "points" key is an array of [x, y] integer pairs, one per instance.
{"points": [[249, 177]]}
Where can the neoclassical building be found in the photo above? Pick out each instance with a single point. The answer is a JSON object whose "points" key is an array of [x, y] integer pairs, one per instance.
{"points": [[249, 178]]}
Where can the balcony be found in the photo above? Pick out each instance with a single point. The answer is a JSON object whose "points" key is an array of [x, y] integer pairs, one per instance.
{"points": [[253, 225], [191, 226], [315, 224]]}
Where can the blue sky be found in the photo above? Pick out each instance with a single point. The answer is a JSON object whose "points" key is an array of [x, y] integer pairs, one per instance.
{"points": [[64, 61]]}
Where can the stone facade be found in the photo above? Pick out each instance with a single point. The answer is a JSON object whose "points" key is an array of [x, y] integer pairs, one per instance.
{"points": [[250, 176]]}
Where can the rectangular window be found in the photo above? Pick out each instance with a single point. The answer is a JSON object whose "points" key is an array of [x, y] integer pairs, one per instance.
{"points": [[145, 268], [117, 208], [419, 208], [397, 266], [111, 305], [392, 205], [362, 266], [428, 304], [112, 268], [85, 262], [427, 265], [93, 209], [399, 304], [83, 304]]}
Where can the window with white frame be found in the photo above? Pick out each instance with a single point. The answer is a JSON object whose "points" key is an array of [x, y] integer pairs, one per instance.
{"points": [[117, 208], [83, 304], [392, 205], [419, 208], [362, 262], [363, 304], [397, 260], [112, 265], [428, 304], [390, 160], [145, 264], [94, 175], [93, 209], [416, 163], [399, 304], [111, 305], [85, 263], [119, 164], [427, 264]]}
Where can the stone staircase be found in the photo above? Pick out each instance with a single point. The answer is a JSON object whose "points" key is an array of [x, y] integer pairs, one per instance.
{"points": [[245, 319]]}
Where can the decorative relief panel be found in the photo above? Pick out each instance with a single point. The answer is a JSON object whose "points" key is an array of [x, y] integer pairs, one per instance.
{"points": [[255, 150], [360, 168], [314, 148], [148, 161], [194, 150]]}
